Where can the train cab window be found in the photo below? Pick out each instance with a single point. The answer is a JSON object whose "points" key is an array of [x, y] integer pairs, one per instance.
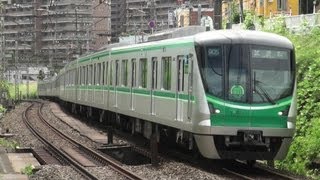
{"points": [[143, 73], [166, 73], [117, 73], [98, 74], [124, 72], [213, 70], [154, 82], [133, 73]]}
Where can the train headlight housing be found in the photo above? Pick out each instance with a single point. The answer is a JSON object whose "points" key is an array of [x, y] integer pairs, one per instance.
{"points": [[212, 109], [284, 112]]}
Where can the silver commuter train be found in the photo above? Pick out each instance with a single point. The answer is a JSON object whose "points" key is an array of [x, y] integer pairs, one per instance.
{"points": [[211, 88]]}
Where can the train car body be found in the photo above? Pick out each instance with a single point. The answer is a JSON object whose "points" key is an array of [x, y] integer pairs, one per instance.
{"points": [[230, 92]]}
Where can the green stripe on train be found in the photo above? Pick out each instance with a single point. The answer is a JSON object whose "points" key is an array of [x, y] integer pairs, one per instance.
{"points": [[173, 44], [163, 94], [249, 115]]}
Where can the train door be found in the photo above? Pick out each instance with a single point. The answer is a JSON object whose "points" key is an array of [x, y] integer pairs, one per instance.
{"points": [[180, 79], [133, 81], [117, 82], [78, 91], [189, 84], [110, 89], [154, 84]]}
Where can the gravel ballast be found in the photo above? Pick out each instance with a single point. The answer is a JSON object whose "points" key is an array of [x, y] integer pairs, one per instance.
{"points": [[167, 169]]}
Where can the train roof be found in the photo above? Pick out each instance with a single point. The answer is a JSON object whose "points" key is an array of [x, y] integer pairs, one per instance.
{"points": [[243, 37], [209, 37]]}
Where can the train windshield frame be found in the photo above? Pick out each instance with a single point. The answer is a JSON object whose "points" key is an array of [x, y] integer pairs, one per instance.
{"points": [[247, 73]]}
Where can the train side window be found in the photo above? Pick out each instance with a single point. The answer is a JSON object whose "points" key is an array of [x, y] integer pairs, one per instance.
{"points": [[83, 75], [103, 73], [134, 73], [79, 74], [80, 77], [124, 71], [71, 77], [166, 73], [98, 74], [111, 75], [180, 72], [143, 73], [106, 74], [95, 72], [154, 73], [117, 73], [90, 74]]}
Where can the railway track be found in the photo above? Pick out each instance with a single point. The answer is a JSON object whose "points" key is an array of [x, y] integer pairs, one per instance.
{"points": [[76, 155], [234, 169], [243, 171]]}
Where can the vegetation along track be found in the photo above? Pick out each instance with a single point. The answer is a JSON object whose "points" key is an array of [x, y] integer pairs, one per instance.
{"points": [[92, 158], [244, 171]]}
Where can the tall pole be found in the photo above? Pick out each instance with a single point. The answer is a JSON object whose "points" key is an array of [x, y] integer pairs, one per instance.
{"points": [[77, 36], [16, 82], [141, 24], [217, 14], [27, 73], [241, 10]]}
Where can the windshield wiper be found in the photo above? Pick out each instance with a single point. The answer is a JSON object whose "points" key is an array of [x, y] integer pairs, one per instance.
{"points": [[264, 92]]}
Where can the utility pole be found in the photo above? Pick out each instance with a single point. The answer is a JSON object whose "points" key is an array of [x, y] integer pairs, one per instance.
{"points": [[77, 34], [16, 82], [241, 10], [2, 70], [217, 14]]}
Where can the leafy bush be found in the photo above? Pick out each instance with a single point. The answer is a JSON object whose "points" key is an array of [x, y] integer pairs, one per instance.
{"points": [[249, 20], [23, 89], [28, 170], [9, 144], [306, 144]]}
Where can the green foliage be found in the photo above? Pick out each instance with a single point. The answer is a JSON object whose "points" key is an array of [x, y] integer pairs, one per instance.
{"points": [[306, 144], [23, 89], [4, 88], [235, 14], [277, 25], [2, 109], [8, 144], [28, 170], [249, 20]]}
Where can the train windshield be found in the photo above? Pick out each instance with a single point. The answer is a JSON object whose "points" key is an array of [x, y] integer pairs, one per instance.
{"points": [[248, 73]]}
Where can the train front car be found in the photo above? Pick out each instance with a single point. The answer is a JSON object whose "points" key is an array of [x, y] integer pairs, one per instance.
{"points": [[249, 82]]}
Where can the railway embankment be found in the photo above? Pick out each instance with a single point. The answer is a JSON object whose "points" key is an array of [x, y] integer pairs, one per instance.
{"points": [[306, 143]]}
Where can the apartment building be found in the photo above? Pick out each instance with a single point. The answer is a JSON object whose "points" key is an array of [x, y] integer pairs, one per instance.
{"points": [[132, 17], [53, 32]]}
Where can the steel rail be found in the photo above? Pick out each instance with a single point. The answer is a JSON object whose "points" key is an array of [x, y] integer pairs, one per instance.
{"points": [[75, 165], [98, 157]]}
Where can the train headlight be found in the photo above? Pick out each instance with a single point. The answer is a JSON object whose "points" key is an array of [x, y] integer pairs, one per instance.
{"points": [[212, 109], [284, 112]]}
